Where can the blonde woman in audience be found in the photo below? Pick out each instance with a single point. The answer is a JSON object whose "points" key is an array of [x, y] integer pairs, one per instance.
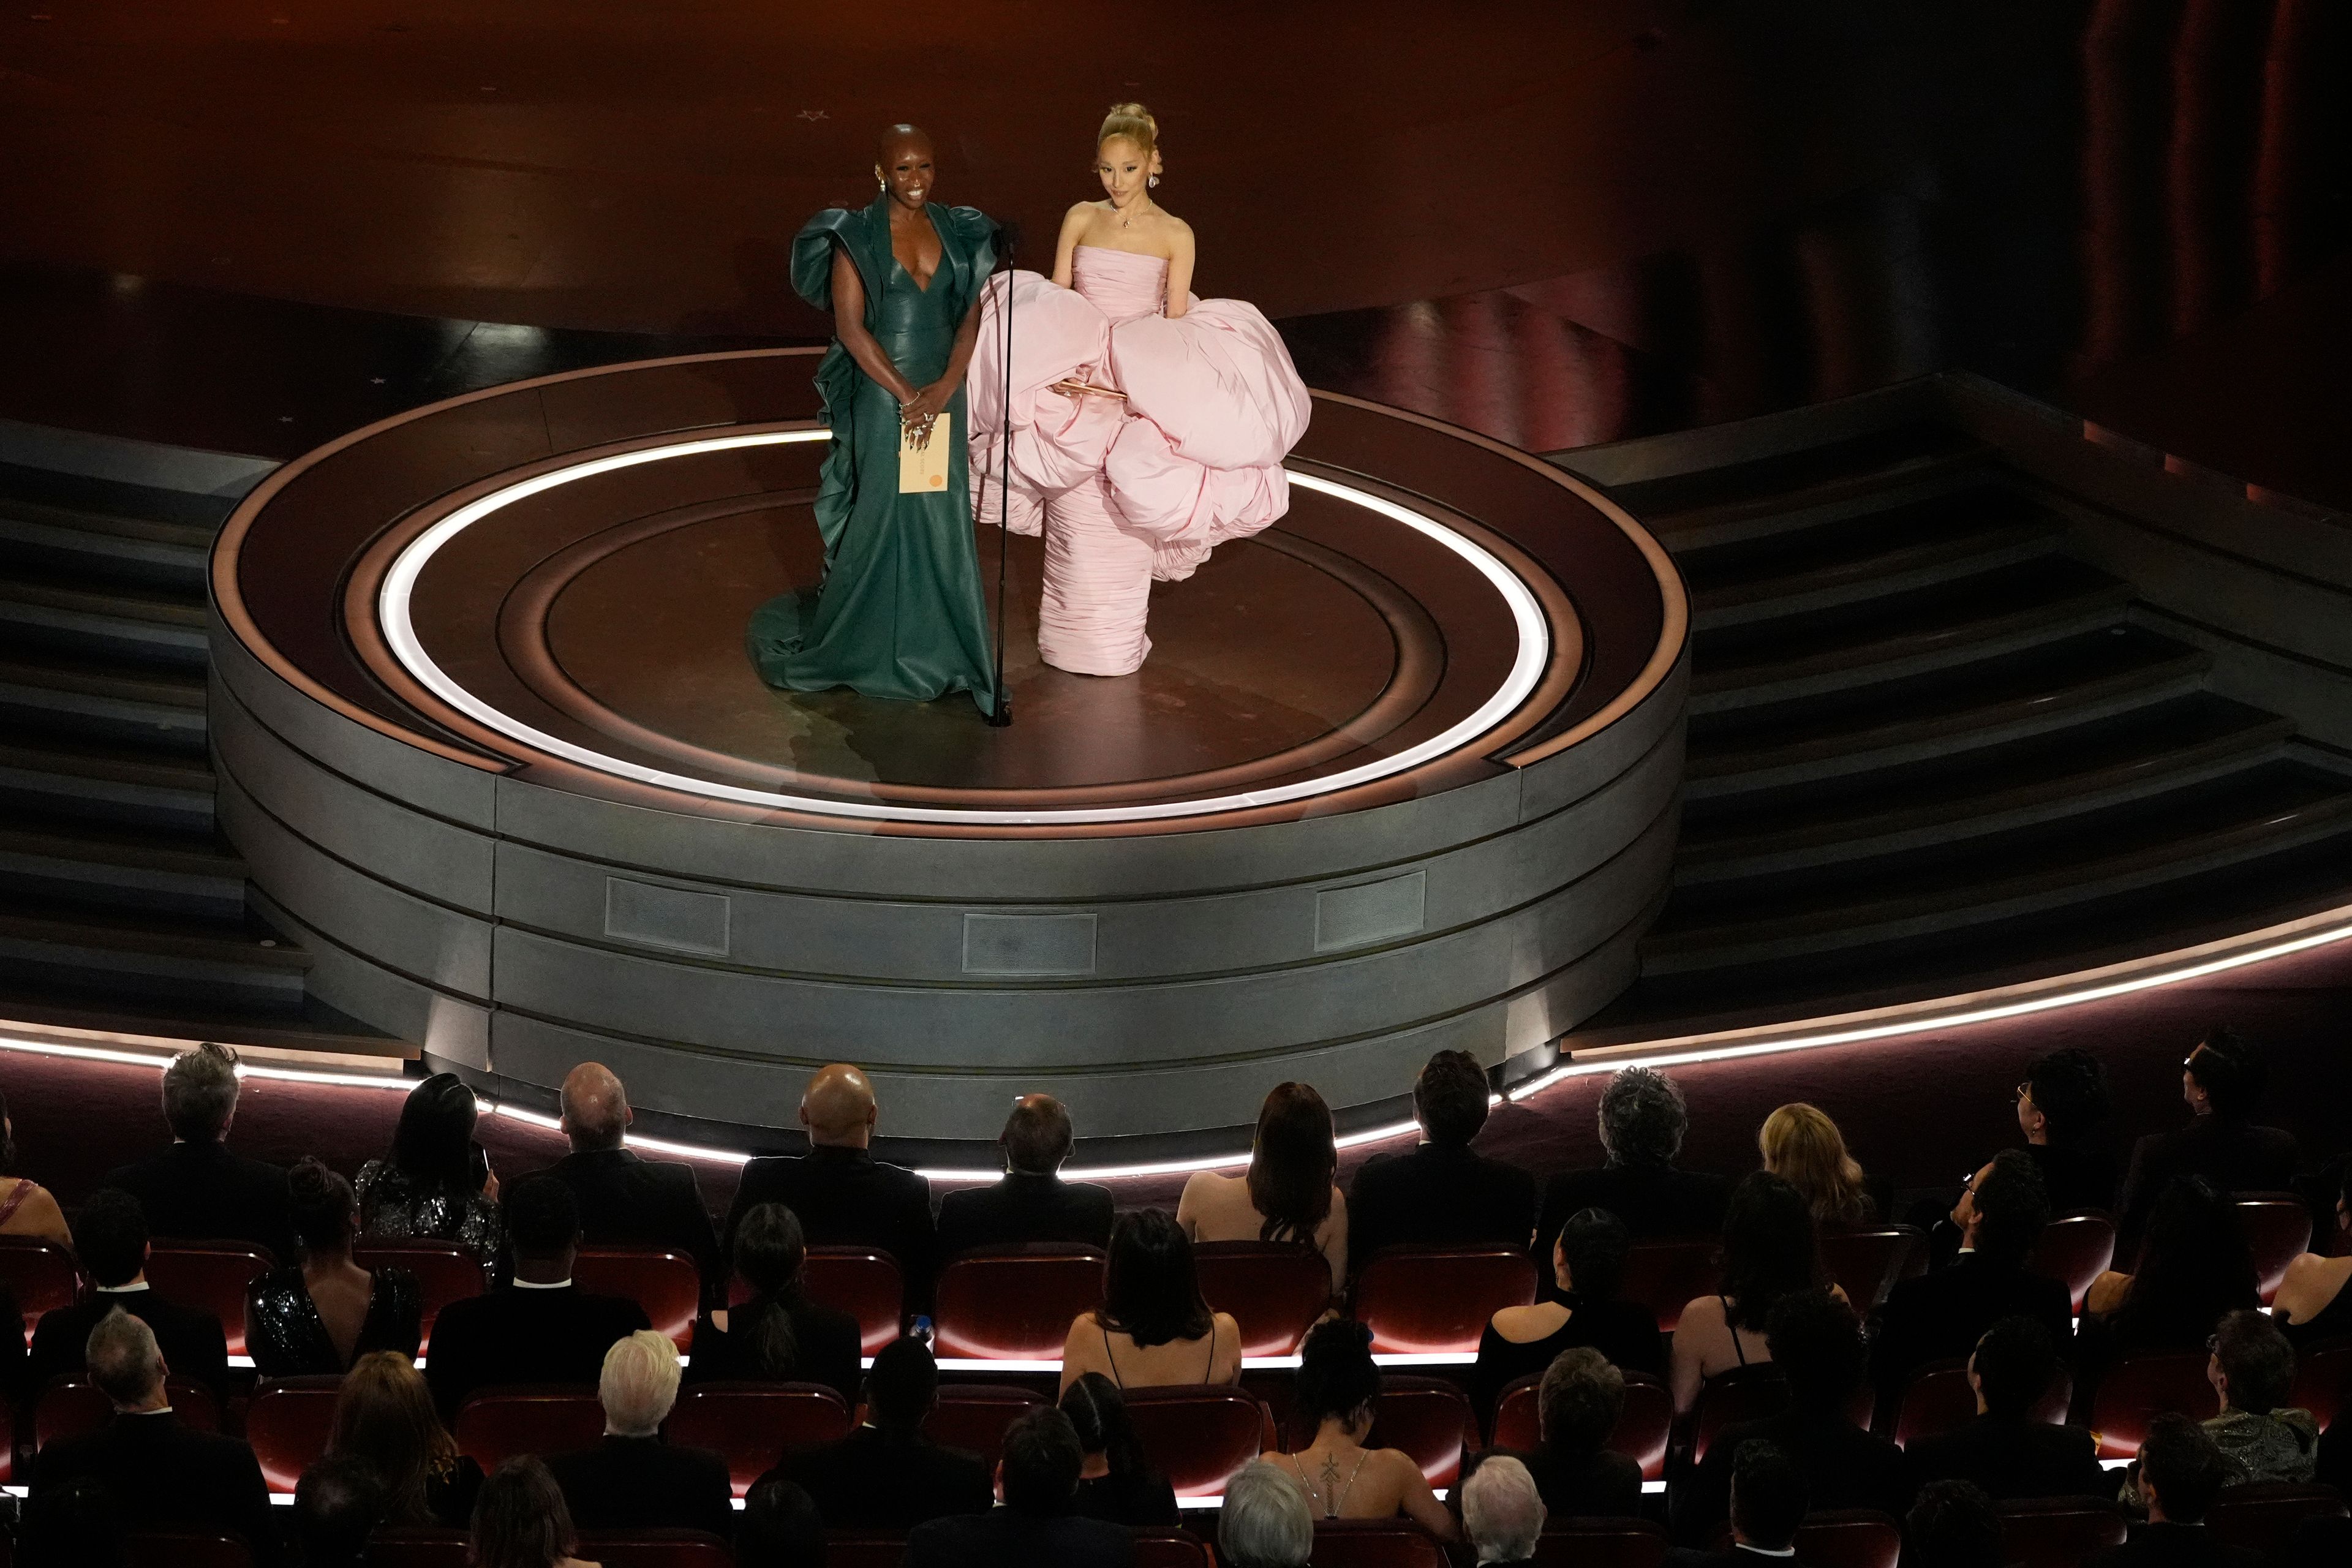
{"points": [[25, 1206], [1288, 1193], [1803, 1147], [1768, 1252], [1153, 1330], [1338, 1397]]}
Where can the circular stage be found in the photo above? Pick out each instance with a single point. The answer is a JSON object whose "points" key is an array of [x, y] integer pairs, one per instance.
{"points": [[1398, 775]]}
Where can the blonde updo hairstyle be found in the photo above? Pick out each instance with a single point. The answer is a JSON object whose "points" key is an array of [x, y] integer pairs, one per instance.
{"points": [[1803, 1147], [1133, 122]]}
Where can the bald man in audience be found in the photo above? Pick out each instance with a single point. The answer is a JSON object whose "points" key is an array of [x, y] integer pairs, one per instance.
{"points": [[843, 1194], [1032, 1203], [625, 1201]]}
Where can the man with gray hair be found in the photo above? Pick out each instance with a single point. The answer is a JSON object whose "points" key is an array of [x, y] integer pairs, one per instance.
{"points": [[1265, 1522], [1501, 1512], [1642, 1120], [196, 1189], [626, 1200], [632, 1479], [158, 1472]]}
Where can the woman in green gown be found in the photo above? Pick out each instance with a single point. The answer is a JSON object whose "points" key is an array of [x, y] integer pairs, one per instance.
{"points": [[900, 611]]}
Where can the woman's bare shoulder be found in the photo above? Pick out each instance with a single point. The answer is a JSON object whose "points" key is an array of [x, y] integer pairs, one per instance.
{"points": [[1705, 1312], [1525, 1325]]}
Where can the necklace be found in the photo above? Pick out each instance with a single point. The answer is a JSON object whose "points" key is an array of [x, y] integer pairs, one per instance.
{"points": [[1127, 219]]}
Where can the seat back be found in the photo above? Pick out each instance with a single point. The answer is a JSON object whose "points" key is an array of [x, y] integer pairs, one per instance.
{"points": [[445, 1271], [1938, 1399], [1199, 1437], [2141, 1388], [2260, 1516], [1274, 1290], [1419, 1300], [1866, 1264], [666, 1284], [1743, 1393], [211, 1277], [71, 1407], [864, 1549], [1601, 1542], [755, 1424], [409, 1546], [496, 1424], [1428, 1418], [865, 1282], [2058, 1531], [1849, 1538], [41, 1274], [1665, 1276], [1014, 1303], [2074, 1250], [2323, 1380], [973, 1416], [654, 1549], [2278, 1231], [1643, 1429], [288, 1424], [1172, 1548], [1374, 1543], [186, 1549]]}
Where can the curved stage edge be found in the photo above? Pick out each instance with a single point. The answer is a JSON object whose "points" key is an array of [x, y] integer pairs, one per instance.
{"points": [[1401, 774]]}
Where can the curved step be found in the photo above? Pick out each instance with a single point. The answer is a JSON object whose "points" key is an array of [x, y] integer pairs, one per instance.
{"points": [[94, 547], [117, 625], [44, 691], [120, 958], [159, 874], [110, 785], [1798, 491]]}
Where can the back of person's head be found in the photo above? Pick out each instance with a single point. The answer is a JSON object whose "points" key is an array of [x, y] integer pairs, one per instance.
{"points": [[1265, 1522], [780, 1528], [771, 1252], [1593, 1244], [902, 1385], [2069, 1086], [200, 1093], [1450, 1099], [319, 1200], [2015, 1362], [124, 1358], [1151, 1291], [1042, 1462], [1291, 1163], [384, 1417], [639, 1383], [1097, 1413], [1768, 1495], [1953, 1525], [519, 1518], [1579, 1401], [1037, 1136], [2230, 1071], [1768, 1247], [1642, 1119], [1817, 1343], [110, 1235], [1337, 1379], [2012, 1208], [2257, 1359], [2181, 1469], [542, 1217], [2194, 1265], [1803, 1147], [435, 1141], [338, 1503], [1502, 1512]]}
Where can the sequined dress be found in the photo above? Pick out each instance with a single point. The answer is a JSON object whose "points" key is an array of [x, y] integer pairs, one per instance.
{"points": [[396, 1207], [289, 1339]]}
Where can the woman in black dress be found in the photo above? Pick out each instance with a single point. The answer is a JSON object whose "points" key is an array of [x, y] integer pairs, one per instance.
{"points": [[779, 1335], [315, 1317], [436, 1186], [1588, 1261], [1115, 1484]]}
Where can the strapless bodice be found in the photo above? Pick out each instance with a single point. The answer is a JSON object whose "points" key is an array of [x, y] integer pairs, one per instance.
{"points": [[1121, 284]]}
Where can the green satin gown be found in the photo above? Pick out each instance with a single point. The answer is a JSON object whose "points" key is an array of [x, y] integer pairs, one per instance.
{"points": [[899, 612]]}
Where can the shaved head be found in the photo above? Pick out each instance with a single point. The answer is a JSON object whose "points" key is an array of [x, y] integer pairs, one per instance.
{"points": [[595, 1106], [895, 136], [837, 1107]]}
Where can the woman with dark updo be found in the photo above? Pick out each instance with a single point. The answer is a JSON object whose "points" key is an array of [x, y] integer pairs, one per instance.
{"points": [[436, 1186], [1338, 1397], [319, 1316]]}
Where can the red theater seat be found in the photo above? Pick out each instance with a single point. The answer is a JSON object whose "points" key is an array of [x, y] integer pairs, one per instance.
{"points": [[1938, 1399], [1866, 1264], [1743, 1393], [2278, 1231], [1641, 1432], [186, 1549], [755, 1424], [445, 1271], [2260, 1516], [41, 1274], [409, 1546], [1014, 1303], [288, 1424], [1849, 1538], [654, 1549], [664, 1283], [1666, 1276], [1420, 1299], [1374, 1543], [70, 1407], [496, 1424], [211, 1276], [1199, 1436], [863, 1282], [2074, 1250], [2323, 1380], [1172, 1548], [1275, 1291], [2141, 1388], [7, 1447], [1427, 1418], [2058, 1531], [1603, 1543], [973, 1416], [862, 1549]]}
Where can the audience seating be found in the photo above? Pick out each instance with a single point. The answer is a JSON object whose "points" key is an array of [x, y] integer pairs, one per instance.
{"points": [[445, 1271], [1849, 1538], [408, 1546], [1429, 1418], [1014, 1303], [2058, 1531], [860, 1549], [1172, 1548], [1642, 1428], [2074, 1250], [2144, 1385], [1396, 1299], [1749, 1393], [2323, 1377], [666, 1284], [71, 1407], [7, 1447], [973, 1416], [186, 1549], [2260, 1516], [42, 1275], [1274, 1290], [1866, 1264], [1666, 1276], [1374, 1543], [863, 1281], [1600, 1542], [496, 1424], [654, 1549], [211, 1276], [288, 1424], [2278, 1230], [754, 1423], [1199, 1436], [1938, 1399]]}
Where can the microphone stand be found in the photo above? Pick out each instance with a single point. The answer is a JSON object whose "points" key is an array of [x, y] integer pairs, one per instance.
{"points": [[1001, 711]]}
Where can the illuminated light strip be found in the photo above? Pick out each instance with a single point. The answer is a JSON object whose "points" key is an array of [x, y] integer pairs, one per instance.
{"points": [[400, 634], [1249, 1364]]}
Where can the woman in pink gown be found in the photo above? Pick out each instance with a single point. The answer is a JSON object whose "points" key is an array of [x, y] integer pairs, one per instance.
{"points": [[1138, 487]]}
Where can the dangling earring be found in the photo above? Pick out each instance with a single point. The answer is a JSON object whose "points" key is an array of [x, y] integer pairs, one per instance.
{"points": [[880, 184], [1153, 182]]}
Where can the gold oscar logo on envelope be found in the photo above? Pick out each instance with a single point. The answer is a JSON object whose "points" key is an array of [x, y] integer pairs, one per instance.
{"points": [[925, 468]]}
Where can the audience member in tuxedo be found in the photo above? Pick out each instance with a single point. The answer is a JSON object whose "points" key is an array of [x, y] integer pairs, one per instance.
{"points": [[1336, 1402], [841, 1193], [1153, 1327], [886, 1475], [2253, 1369], [1502, 1512], [1287, 1193], [2222, 1080], [780, 1528], [1031, 1202], [538, 1327], [2061, 1108], [1588, 1262], [1116, 1484], [315, 1317], [2004, 1450], [779, 1335], [25, 1206], [158, 1472], [1817, 1343], [1953, 1525], [76, 1525], [1940, 1316], [197, 1190], [634, 1480], [1577, 1407], [2194, 1266], [625, 1201], [521, 1520], [1799, 1144], [2181, 1472], [338, 1504], [1642, 1120], [2313, 1303], [1768, 1252], [1265, 1522], [385, 1418], [1442, 1193], [1769, 1500], [114, 1255], [1037, 1528], [437, 1185]]}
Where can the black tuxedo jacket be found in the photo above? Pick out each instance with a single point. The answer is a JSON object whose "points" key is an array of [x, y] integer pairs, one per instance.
{"points": [[846, 1198], [1656, 1205], [519, 1335], [1008, 1538], [2229, 1152], [1021, 1208], [1940, 1316], [161, 1474], [2174, 1546], [191, 1341], [644, 1483], [201, 1192], [1844, 1466], [2011, 1459], [628, 1202], [1436, 1195], [873, 1479]]}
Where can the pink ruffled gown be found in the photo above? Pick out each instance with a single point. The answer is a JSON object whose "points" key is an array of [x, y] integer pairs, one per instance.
{"points": [[1128, 492]]}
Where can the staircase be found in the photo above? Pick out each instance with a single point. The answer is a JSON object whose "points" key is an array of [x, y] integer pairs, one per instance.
{"points": [[1930, 751]]}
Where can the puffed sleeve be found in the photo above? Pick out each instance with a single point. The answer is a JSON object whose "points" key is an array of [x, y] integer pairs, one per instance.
{"points": [[977, 235], [812, 254]]}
